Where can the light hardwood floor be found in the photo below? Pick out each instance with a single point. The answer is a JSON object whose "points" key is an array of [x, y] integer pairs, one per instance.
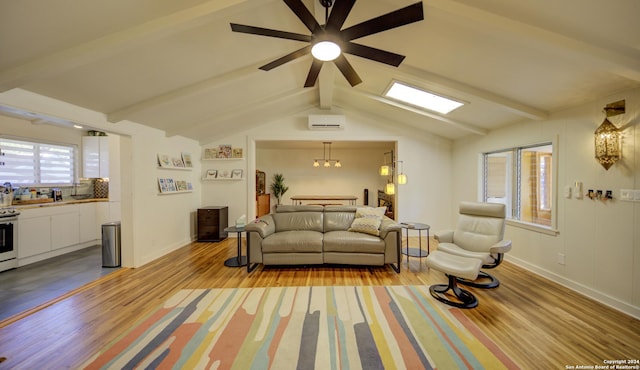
{"points": [[540, 324]]}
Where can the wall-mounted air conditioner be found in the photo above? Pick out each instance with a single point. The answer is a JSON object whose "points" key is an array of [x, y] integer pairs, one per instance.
{"points": [[326, 122]]}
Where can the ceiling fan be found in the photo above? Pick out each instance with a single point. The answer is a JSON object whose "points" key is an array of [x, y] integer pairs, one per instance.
{"points": [[339, 40]]}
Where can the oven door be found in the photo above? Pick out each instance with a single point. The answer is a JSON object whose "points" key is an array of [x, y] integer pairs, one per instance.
{"points": [[7, 240]]}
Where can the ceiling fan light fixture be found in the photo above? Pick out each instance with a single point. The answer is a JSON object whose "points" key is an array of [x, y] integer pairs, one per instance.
{"points": [[326, 50]]}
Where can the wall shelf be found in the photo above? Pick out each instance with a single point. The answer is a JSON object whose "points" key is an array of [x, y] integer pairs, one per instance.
{"points": [[176, 192], [175, 168], [205, 179]]}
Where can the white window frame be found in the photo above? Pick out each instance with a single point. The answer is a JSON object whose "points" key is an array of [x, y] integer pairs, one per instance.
{"points": [[39, 157], [512, 200]]}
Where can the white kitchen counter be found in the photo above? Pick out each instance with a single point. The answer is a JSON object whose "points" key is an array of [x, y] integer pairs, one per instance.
{"points": [[55, 204]]}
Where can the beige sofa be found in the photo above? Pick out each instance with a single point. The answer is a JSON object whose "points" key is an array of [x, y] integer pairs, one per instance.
{"points": [[310, 234]]}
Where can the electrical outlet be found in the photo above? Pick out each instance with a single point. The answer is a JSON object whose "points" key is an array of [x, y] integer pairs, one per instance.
{"points": [[626, 194], [561, 258]]}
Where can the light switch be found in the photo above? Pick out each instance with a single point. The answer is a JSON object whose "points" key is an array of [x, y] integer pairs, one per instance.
{"points": [[626, 194], [637, 196], [577, 189], [567, 191]]}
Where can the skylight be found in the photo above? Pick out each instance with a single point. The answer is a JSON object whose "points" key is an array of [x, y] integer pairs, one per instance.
{"points": [[421, 98]]}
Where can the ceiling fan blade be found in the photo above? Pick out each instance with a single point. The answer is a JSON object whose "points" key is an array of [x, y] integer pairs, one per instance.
{"points": [[314, 71], [377, 55], [303, 14], [339, 14], [397, 18], [269, 32], [287, 58], [347, 70]]}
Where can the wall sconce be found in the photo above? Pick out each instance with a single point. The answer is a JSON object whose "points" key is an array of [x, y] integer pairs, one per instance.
{"points": [[607, 137], [327, 160]]}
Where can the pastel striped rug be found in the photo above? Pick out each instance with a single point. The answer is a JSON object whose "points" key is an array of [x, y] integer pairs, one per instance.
{"points": [[382, 327]]}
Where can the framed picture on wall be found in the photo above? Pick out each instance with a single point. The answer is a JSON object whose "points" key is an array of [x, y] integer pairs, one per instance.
{"points": [[164, 161], [162, 184], [260, 182], [177, 162], [224, 151], [236, 174], [186, 158], [210, 153], [211, 174]]}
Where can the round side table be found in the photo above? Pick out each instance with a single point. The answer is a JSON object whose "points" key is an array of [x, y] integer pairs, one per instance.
{"points": [[239, 260], [416, 252]]}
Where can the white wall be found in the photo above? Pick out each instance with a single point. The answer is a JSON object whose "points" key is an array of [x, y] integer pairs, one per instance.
{"points": [[152, 224], [601, 240], [427, 162]]}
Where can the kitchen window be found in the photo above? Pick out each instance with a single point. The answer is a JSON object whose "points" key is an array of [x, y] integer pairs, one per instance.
{"points": [[36, 163], [522, 179]]}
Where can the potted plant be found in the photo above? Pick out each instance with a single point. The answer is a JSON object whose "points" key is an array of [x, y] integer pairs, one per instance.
{"points": [[278, 188]]}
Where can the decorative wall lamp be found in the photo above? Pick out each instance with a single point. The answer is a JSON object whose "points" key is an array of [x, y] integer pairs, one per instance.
{"points": [[607, 137], [389, 169], [327, 160]]}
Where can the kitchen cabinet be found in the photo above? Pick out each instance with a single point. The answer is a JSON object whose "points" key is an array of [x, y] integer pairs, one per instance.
{"points": [[65, 230], [51, 231], [89, 226], [211, 223], [34, 235], [95, 156]]}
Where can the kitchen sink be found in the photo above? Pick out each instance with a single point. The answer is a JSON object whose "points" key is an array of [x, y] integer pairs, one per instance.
{"points": [[82, 196]]}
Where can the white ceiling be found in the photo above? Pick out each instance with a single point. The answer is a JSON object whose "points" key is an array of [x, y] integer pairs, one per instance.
{"points": [[177, 66]]}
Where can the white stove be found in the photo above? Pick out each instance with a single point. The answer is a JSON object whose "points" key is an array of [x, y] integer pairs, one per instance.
{"points": [[8, 212]]}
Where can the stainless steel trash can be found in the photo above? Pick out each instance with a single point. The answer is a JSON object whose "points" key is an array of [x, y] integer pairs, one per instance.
{"points": [[111, 244]]}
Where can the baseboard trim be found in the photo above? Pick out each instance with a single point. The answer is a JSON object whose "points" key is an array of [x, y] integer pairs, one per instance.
{"points": [[603, 298]]}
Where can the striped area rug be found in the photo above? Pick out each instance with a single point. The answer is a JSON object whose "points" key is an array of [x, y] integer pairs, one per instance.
{"points": [[364, 327]]}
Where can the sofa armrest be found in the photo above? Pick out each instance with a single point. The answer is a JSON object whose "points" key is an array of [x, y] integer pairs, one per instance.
{"points": [[388, 225], [503, 246], [445, 236], [263, 226]]}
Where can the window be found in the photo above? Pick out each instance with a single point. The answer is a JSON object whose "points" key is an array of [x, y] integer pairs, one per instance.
{"points": [[32, 163], [522, 179]]}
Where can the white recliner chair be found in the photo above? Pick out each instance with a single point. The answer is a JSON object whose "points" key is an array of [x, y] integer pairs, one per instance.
{"points": [[479, 234]]}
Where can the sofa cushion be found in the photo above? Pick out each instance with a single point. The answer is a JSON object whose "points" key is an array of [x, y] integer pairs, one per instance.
{"points": [[300, 241], [290, 221], [282, 208], [348, 241], [334, 221], [367, 225]]}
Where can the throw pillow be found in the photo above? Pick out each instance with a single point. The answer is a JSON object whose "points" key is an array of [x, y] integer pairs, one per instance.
{"points": [[370, 211], [367, 225]]}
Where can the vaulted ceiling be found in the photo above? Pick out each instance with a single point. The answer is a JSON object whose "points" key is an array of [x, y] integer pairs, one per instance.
{"points": [[178, 67]]}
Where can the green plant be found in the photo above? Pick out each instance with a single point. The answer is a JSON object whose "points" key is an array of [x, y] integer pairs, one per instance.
{"points": [[278, 188]]}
